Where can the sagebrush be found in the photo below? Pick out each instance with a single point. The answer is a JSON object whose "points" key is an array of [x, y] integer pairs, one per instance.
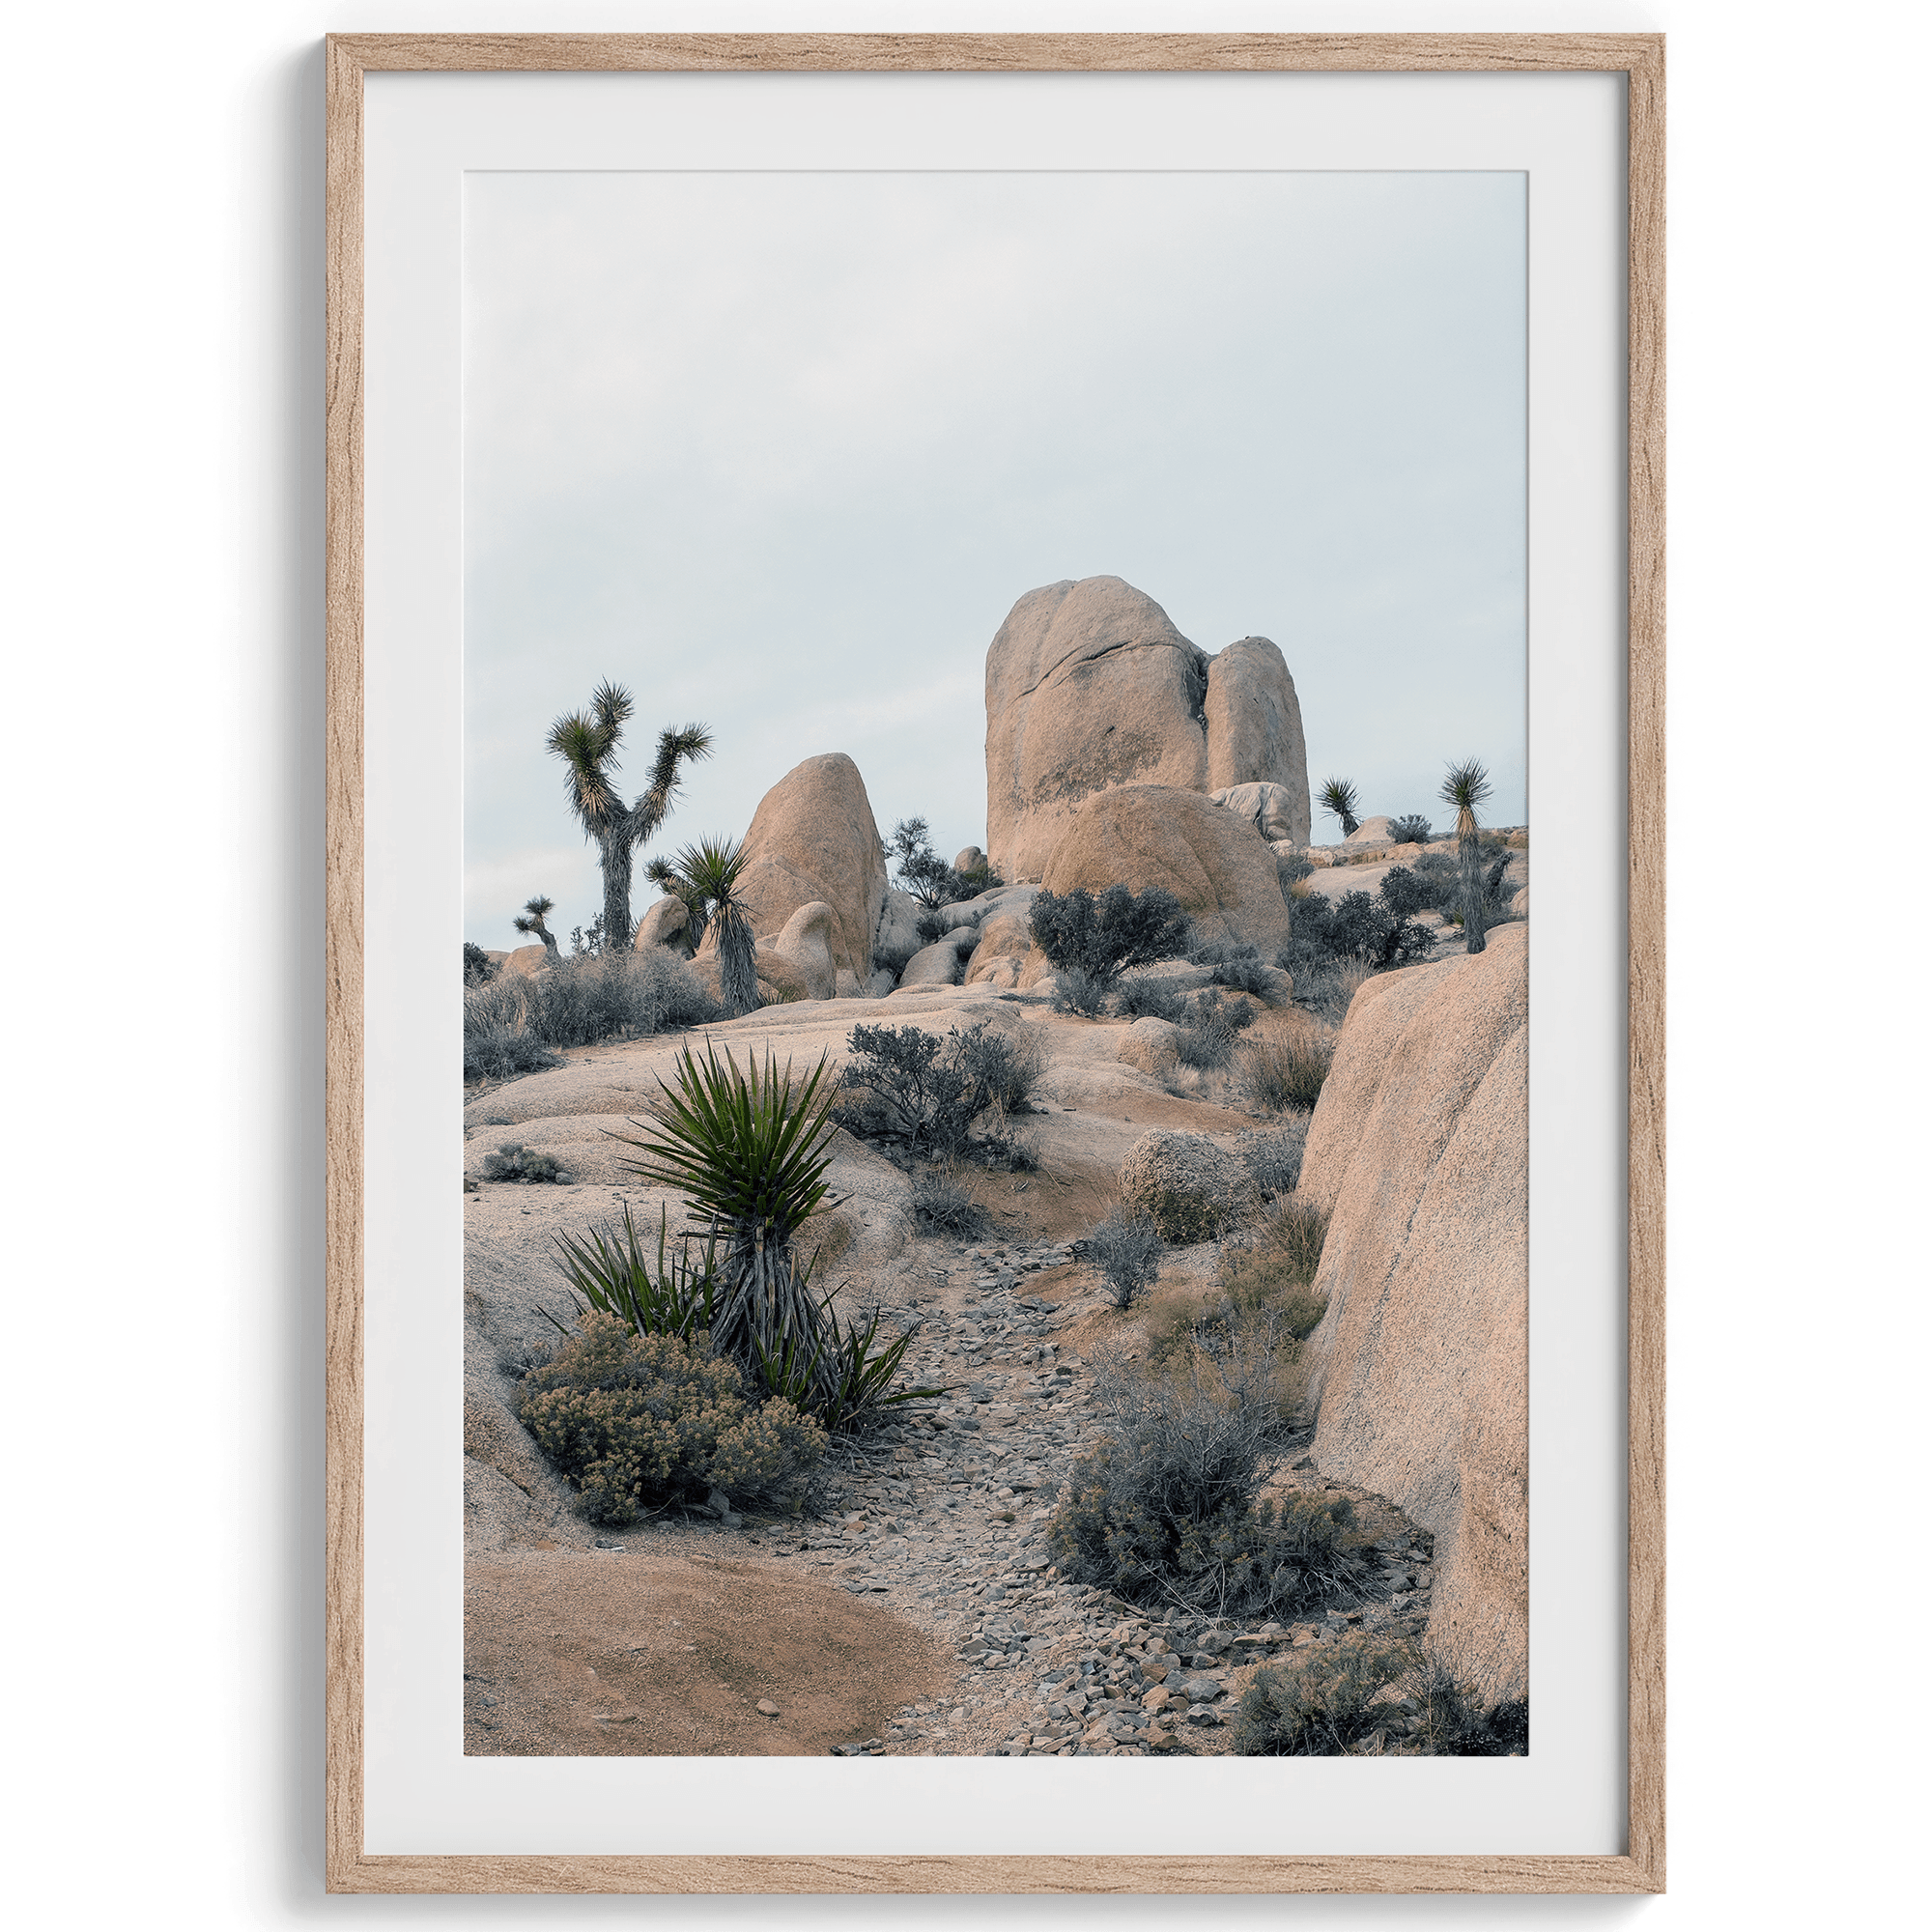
{"points": [[1126, 1249], [635, 1422], [1102, 937], [911, 1085]]}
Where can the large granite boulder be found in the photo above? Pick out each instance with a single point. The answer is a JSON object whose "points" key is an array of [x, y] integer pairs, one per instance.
{"points": [[1254, 728], [813, 837], [1189, 1189], [525, 960], [665, 924], [807, 942], [1420, 1151], [1088, 685], [1211, 859], [1274, 810]]}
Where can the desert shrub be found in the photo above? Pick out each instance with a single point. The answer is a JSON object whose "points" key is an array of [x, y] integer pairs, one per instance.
{"points": [[498, 1043], [1410, 829], [748, 1150], [1283, 1070], [1126, 1249], [1274, 1158], [591, 997], [1163, 1511], [1152, 999], [638, 1421], [1405, 893], [1290, 869], [1367, 1696], [931, 928], [906, 1083], [1206, 1036], [1103, 937], [1283, 1251], [478, 968], [942, 1206], [1324, 984], [1242, 969], [1076, 990], [1366, 926], [610, 1272], [926, 877], [517, 1162], [1317, 1704]]}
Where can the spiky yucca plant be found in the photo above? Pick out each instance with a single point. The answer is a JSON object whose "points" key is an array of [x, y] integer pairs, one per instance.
{"points": [[530, 921], [587, 742], [749, 1150], [712, 868], [1467, 787], [1339, 798]]}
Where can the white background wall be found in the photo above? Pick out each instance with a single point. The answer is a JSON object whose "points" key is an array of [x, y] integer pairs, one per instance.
{"points": [[163, 638]]}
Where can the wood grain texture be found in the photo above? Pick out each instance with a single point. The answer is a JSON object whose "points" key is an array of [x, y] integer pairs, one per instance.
{"points": [[1646, 877], [342, 589], [1641, 57]]}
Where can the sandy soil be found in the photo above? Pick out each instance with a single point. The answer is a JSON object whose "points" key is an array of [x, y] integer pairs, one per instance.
{"points": [[661, 1649]]}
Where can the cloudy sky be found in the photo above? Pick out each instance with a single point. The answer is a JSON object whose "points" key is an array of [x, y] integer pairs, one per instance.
{"points": [[780, 451]]}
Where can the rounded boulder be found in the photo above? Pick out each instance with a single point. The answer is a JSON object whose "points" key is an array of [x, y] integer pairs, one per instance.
{"points": [[813, 837], [1185, 1183], [1212, 861]]}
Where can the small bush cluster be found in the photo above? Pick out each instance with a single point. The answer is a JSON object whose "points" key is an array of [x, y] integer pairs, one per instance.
{"points": [[515, 1026], [1153, 999], [635, 1422], [1380, 928], [1233, 965], [1126, 1249], [933, 926], [1367, 1696], [1283, 1070], [942, 1206], [927, 877], [1282, 1250], [1290, 869], [1102, 937], [1326, 986], [1164, 1511], [1410, 829], [1206, 1036], [1076, 990], [1274, 1158], [478, 968], [517, 1162], [905, 1082]]}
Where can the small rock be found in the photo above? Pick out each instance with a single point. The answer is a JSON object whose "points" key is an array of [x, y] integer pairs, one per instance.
{"points": [[766, 1705]]}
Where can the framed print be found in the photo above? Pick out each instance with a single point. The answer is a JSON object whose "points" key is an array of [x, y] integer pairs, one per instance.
{"points": [[969, 628]]}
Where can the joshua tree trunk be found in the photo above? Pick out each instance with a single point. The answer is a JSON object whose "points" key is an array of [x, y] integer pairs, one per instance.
{"points": [[614, 854], [737, 962], [1468, 858]]}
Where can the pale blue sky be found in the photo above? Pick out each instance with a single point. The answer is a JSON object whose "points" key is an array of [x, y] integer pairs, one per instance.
{"points": [[780, 451]]}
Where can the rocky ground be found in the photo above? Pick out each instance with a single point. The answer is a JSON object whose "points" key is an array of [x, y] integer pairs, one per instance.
{"points": [[976, 1644]]}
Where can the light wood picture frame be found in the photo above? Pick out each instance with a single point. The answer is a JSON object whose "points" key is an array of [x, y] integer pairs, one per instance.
{"points": [[1639, 59]]}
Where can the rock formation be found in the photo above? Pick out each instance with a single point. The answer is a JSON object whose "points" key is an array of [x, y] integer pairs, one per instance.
{"points": [[813, 837], [665, 924], [1089, 685], [1190, 1188], [1211, 859], [1419, 1149], [1254, 728], [1277, 812]]}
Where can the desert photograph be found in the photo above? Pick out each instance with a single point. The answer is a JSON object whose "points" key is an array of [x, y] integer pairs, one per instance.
{"points": [[995, 965]]}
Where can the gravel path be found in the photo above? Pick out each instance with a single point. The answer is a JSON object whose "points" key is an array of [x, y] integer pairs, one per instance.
{"points": [[942, 1519]]}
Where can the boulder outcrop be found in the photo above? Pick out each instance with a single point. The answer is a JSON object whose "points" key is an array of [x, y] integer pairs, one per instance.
{"points": [[1190, 1188], [807, 942], [813, 837], [665, 924], [1154, 1046], [1420, 1151], [1090, 685], [525, 960], [1274, 810], [1212, 861], [1253, 727]]}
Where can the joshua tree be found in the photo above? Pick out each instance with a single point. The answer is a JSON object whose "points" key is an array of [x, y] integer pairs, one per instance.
{"points": [[1466, 787], [712, 869], [1339, 798], [530, 921], [587, 741]]}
